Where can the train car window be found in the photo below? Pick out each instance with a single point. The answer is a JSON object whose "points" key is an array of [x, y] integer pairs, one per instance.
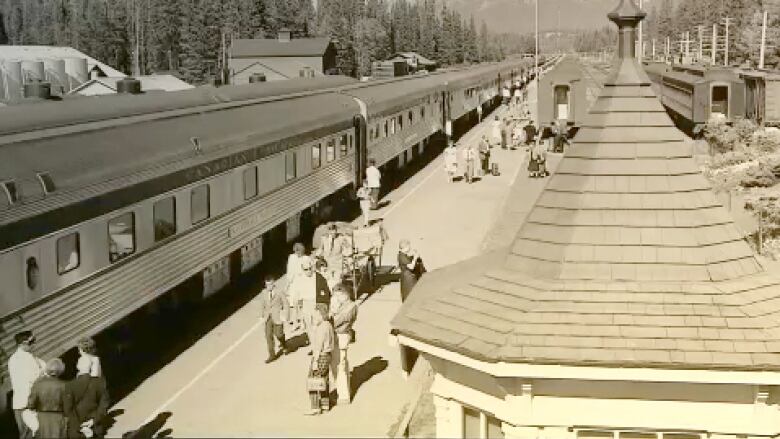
{"points": [[392, 126], [32, 273], [46, 182], [250, 182], [720, 100], [316, 156], [291, 166], [11, 192], [400, 122], [387, 132], [330, 151], [164, 212], [343, 146], [422, 112], [199, 204], [68, 253], [121, 237], [411, 118]]}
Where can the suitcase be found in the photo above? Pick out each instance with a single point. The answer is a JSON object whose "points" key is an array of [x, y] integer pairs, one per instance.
{"points": [[494, 169]]}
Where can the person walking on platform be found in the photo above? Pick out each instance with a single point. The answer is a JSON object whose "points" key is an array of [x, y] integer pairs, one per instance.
{"points": [[374, 181], [451, 161], [90, 402], [51, 399], [505, 95], [530, 133], [323, 341], [274, 312], [88, 348], [343, 313], [294, 274], [366, 201], [23, 369], [495, 132], [484, 155], [559, 138], [411, 266], [504, 133], [470, 156], [540, 152]]}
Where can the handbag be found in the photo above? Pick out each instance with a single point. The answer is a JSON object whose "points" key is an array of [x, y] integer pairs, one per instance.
{"points": [[316, 384], [419, 268]]}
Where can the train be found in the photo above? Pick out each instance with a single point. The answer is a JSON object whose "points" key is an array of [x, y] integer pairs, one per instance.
{"points": [[107, 203], [693, 94], [563, 95]]}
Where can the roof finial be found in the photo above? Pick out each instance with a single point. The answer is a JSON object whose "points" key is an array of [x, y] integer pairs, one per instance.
{"points": [[627, 17]]}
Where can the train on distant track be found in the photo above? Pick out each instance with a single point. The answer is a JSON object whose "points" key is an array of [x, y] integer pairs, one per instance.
{"points": [[106, 203], [693, 94]]}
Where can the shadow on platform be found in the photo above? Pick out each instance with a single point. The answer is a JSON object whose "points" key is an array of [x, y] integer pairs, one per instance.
{"points": [[361, 374], [152, 429]]}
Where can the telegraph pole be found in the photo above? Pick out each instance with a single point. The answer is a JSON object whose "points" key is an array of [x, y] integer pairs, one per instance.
{"points": [[536, 55], [668, 49], [726, 48], [653, 49], [701, 43], [641, 53], [714, 42], [763, 43]]}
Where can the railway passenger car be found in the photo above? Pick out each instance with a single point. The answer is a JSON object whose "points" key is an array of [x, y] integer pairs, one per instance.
{"points": [[107, 203], [694, 94], [563, 94], [762, 97]]}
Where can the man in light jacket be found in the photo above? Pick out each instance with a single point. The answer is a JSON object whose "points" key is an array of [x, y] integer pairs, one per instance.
{"points": [[23, 368], [274, 311]]}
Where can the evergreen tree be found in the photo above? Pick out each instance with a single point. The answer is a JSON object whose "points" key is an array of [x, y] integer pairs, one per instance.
{"points": [[3, 35], [484, 43], [470, 49]]}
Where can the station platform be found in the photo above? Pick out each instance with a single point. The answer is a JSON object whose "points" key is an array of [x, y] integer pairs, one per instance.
{"points": [[221, 387]]}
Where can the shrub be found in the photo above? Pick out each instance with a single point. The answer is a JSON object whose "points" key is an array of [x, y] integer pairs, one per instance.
{"points": [[759, 175]]}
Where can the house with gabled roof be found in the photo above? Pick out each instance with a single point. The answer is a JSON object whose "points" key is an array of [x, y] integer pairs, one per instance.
{"points": [[280, 58], [628, 306]]}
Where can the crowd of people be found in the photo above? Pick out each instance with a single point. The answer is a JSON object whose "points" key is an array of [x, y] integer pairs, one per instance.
{"points": [[47, 406]]}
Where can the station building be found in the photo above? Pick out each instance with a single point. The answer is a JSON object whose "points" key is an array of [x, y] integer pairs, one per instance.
{"points": [[628, 306]]}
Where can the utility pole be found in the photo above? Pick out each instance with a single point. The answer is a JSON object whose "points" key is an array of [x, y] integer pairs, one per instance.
{"points": [[714, 42], [653, 49], [667, 53], [536, 55], [726, 48], [137, 54], [641, 53], [763, 43], [687, 44], [558, 34], [701, 43]]}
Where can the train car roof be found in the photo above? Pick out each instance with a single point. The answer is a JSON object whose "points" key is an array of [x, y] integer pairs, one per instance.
{"points": [[106, 169], [386, 97], [43, 115]]}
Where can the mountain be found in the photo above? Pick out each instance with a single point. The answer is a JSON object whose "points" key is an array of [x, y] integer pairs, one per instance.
{"points": [[517, 16]]}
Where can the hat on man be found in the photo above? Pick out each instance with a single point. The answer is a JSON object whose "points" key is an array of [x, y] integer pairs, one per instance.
{"points": [[24, 336]]}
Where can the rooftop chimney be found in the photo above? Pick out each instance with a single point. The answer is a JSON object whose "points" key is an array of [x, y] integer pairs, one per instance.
{"points": [[627, 17], [285, 35]]}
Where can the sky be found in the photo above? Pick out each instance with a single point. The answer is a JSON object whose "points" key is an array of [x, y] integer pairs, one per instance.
{"points": [[517, 16]]}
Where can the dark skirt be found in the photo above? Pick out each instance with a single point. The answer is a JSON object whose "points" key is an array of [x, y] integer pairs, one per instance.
{"points": [[408, 280], [533, 165], [52, 425]]}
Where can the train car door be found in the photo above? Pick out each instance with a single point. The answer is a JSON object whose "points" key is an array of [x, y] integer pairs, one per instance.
{"points": [[561, 93], [719, 100], [361, 150], [32, 273]]}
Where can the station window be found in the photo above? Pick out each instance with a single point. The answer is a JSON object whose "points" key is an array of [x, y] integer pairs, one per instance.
{"points": [[68, 253], [330, 151], [164, 212], [343, 146], [47, 183], [477, 424], [121, 237], [316, 156], [291, 166], [200, 208], [250, 182], [11, 192]]}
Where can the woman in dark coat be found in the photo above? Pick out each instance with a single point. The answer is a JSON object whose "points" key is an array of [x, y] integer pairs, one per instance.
{"points": [[51, 399], [410, 264]]}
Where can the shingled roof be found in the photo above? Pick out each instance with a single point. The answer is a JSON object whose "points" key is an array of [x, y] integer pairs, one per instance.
{"points": [[626, 259]]}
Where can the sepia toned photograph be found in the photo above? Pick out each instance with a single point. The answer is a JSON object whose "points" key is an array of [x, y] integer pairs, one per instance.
{"points": [[477, 219]]}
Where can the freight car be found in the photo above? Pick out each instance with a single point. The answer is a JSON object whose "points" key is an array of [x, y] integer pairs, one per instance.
{"points": [[107, 203]]}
